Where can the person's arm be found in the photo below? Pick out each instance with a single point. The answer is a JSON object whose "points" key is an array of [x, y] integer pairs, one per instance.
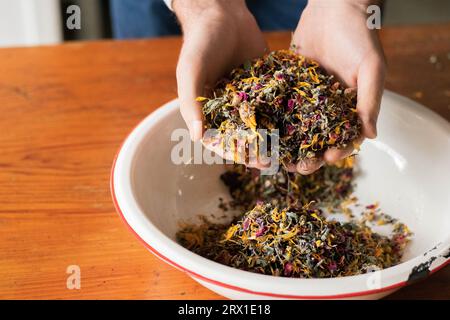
{"points": [[335, 34], [218, 36]]}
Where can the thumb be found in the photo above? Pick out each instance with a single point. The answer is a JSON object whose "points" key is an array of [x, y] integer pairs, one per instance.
{"points": [[371, 76], [191, 82]]}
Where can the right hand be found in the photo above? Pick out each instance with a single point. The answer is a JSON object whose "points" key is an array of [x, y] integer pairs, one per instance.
{"points": [[219, 35]]}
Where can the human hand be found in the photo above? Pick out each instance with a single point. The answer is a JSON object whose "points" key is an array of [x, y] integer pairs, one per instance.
{"points": [[218, 36], [335, 34]]}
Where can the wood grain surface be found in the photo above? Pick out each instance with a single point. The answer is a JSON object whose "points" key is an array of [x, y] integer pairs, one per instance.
{"points": [[64, 111]]}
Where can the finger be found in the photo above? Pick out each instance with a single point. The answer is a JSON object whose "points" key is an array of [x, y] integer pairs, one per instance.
{"points": [[191, 83], [240, 156], [333, 155], [192, 115], [291, 167], [258, 165], [308, 166], [371, 77]]}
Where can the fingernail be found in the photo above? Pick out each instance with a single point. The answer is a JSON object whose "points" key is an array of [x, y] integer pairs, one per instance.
{"points": [[371, 130], [303, 165], [309, 166], [328, 157], [196, 130], [375, 130]]}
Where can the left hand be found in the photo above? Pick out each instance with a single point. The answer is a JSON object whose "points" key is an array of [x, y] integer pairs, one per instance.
{"points": [[335, 34]]}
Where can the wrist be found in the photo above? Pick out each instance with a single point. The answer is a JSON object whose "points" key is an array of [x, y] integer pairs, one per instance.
{"points": [[189, 11], [334, 3]]}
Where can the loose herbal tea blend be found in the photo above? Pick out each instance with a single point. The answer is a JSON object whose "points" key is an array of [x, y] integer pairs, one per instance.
{"points": [[328, 186], [288, 92], [295, 242], [284, 231]]}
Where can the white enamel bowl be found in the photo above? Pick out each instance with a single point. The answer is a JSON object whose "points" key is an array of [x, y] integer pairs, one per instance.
{"points": [[406, 169]]}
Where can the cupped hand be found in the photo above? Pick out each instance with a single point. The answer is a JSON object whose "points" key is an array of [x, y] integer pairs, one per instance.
{"points": [[335, 34], [218, 36]]}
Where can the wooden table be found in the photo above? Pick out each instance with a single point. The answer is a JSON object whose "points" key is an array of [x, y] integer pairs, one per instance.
{"points": [[64, 111]]}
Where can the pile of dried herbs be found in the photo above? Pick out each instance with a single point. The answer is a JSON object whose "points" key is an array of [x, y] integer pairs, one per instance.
{"points": [[329, 186], [296, 242], [288, 92], [284, 231]]}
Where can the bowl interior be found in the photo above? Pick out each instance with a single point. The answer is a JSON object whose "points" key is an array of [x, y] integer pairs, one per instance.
{"points": [[405, 169]]}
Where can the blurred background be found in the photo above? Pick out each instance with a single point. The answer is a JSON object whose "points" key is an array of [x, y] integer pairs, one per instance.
{"points": [[37, 22]]}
